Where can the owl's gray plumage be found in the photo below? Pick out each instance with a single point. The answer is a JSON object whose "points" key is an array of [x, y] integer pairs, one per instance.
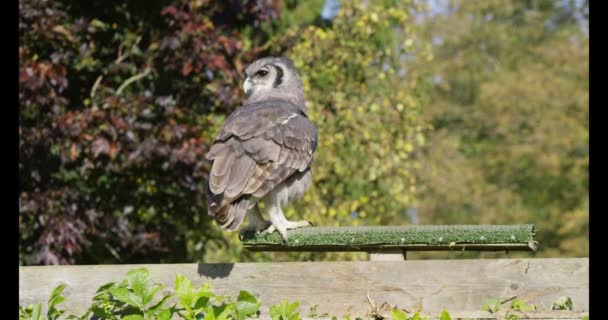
{"points": [[264, 150]]}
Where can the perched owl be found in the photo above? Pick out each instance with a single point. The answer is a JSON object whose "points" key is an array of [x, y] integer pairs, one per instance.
{"points": [[264, 150]]}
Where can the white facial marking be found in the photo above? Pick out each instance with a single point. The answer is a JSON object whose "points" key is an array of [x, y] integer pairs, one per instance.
{"points": [[293, 115], [247, 85]]}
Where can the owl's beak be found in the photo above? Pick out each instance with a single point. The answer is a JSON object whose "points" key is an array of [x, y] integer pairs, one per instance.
{"points": [[247, 86]]}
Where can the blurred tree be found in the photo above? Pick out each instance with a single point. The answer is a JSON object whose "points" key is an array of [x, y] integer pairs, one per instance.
{"points": [[118, 102], [510, 114]]}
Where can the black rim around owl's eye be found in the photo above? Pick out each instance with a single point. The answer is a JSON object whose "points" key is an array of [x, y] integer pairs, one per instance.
{"points": [[261, 73]]}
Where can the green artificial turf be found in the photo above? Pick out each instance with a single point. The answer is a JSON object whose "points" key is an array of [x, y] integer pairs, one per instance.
{"points": [[436, 236]]}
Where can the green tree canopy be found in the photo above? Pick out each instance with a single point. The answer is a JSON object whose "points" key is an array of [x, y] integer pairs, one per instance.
{"points": [[510, 112]]}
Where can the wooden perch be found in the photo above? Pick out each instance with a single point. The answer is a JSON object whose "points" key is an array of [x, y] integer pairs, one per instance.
{"points": [[399, 238]]}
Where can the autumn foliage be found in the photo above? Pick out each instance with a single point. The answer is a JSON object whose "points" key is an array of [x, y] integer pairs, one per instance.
{"points": [[113, 100]]}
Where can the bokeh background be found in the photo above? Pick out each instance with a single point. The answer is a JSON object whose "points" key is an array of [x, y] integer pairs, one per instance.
{"points": [[429, 112]]}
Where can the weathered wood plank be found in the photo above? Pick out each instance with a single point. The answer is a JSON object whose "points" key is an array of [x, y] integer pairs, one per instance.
{"points": [[417, 238], [479, 315], [340, 288]]}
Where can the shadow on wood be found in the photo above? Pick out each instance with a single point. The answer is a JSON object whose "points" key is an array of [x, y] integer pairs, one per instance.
{"points": [[216, 270]]}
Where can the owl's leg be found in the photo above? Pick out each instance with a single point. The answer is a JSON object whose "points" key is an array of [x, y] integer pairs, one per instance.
{"points": [[276, 199], [257, 223], [280, 223], [277, 218]]}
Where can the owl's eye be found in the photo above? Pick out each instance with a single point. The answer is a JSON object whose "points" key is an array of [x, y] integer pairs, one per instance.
{"points": [[261, 73]]}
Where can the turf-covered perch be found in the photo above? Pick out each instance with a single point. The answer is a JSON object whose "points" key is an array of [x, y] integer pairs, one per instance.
{"points": [[429, 237]]}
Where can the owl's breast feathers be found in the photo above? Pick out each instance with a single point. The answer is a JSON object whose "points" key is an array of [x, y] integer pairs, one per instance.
{"points": [[259, 146]]}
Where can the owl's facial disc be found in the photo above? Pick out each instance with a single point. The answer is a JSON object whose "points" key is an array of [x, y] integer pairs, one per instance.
{"points": [[259, 80]]}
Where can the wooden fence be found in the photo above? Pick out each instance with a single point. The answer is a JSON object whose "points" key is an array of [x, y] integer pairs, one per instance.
{"points": [[350, 288]]}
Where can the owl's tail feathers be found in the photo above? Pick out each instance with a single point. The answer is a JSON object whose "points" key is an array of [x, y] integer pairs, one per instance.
{"points": [[231, 215]]}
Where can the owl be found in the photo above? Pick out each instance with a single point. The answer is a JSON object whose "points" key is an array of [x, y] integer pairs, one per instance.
{"points": [[263, 151]]}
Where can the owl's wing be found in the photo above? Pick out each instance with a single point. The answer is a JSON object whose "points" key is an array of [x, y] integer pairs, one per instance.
{"points": [[260, 146]]}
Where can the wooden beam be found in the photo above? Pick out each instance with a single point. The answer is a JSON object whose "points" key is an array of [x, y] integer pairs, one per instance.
{"points": [[340, 288], [414, 238], [485, 315]]}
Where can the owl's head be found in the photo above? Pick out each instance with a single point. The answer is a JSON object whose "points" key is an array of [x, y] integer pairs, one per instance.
{"points": [[273, 77]]}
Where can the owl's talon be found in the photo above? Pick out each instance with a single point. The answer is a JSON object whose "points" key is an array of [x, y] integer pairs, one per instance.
{"points": [[283, 233], [269, 230]]}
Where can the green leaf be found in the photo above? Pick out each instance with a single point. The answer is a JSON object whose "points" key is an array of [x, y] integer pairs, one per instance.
{"points": [[55, 301], [126, 296], [285, 311], [201, 303], [246, 305], [209, 313], [164, 315], [56, 292], [398, 315], [105, 287], [36, 311], [99, 24], [101, 313], [133, 317], [150, 293], [138, 281], [445, 315], [160, 303], [518, 305], [493, 305], [416, 316], [562, 303], [202, 296], [184, 290], [224, 311], [85, 316]]}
